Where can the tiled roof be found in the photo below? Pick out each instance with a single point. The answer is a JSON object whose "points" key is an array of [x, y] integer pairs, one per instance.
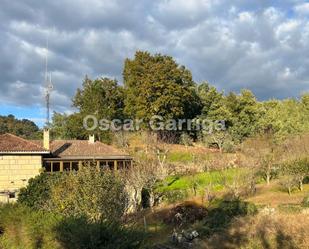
{"points": [[10, 144], [82, 149]]}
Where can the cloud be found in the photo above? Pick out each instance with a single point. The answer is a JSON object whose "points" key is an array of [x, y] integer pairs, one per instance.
{"points": [[302, 8], [261, 45]]}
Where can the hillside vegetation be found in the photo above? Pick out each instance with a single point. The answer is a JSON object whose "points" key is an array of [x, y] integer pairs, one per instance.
{"points": [[240, 182]]}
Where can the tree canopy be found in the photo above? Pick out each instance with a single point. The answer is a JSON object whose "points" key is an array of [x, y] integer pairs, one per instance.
{"points": [[157, 85], [23, 128]]}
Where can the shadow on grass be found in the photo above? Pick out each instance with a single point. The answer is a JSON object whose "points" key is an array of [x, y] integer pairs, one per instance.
{"points": [[75, 233], [221, 214], [227, 226]]}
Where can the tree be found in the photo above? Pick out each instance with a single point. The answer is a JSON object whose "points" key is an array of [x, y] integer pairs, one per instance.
{"points": [[210, 98], [263, 154], [23, 128], [59, 126], [240, 113], [219, 138], [246, 114], [298, 170], [102, 98], [65, 126], [157, 85]]}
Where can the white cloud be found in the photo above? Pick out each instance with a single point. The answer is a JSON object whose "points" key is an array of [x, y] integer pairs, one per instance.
{"points": [[232, 44], [302, 8]]}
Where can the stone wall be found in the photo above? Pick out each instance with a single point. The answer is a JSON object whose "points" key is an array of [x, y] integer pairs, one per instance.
{"points": [[16, 170]]}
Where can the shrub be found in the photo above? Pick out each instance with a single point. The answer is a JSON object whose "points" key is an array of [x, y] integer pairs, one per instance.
{"points": [[87, 192], [175, 195], [91, 193], [37, 193], [80, 234], [305, 202], [185, 139], [228, 146]]}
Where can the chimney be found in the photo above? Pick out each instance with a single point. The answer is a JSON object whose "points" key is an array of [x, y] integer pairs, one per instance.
{"points": [[91, 139], [46, 138]]}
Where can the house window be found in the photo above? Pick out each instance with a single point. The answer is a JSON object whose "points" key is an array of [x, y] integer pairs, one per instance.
{"points": [[120, 164], [66, 166], [111, 164], [74, 166], [56, 166], [103, 164], [12, 195], [127, 163], [47, 166]]}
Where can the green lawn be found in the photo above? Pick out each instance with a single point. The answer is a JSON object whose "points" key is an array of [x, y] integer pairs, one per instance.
{"points": [[200, 180]]}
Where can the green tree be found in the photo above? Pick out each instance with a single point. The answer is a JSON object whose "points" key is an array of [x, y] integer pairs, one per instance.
{"points": [[65, 126], [246, 114], [157, 85], [102, 98], [240, 113], [298, 170], [23, 128]]}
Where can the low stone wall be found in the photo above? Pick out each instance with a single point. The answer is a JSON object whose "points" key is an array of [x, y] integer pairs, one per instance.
{"points": [[16, 170]]}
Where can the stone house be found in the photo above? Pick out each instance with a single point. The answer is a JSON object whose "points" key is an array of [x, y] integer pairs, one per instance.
{"points": [[22, 159]]}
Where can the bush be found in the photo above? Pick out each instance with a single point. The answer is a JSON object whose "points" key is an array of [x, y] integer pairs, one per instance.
{"points": [[37, 194], [228, 146], [80, 234], [185, 139], [305, 202], [87, 192], [22, 227], [175, 195], [91, 193]]}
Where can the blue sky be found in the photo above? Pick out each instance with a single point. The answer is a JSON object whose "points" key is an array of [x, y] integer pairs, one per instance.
{"points": [[35, 113], [258, 44]]}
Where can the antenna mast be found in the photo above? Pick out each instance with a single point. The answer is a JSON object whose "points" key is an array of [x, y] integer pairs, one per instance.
{"points": [[48, 88]]}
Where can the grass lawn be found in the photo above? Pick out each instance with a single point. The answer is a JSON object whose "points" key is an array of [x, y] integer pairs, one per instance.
{"points": [[200, 180]]}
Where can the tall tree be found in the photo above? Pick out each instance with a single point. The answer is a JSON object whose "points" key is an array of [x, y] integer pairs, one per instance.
{"points": [[157, 85], [102, 98]]}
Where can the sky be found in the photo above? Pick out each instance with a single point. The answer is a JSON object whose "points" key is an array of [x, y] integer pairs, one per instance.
{"points": [[261, 45]]}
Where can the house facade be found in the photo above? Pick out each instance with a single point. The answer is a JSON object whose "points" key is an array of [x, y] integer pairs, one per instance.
{"points": [[22, 159]]}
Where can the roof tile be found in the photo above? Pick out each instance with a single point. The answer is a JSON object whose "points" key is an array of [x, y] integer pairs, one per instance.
{"points": [[12, 143]]}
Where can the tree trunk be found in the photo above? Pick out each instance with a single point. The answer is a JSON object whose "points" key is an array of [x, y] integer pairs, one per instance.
{"points": [[300, 185], [267, 178]]}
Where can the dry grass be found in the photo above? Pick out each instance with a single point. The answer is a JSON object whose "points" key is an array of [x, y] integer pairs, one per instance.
{"points": [[279, 231], [273, 196]]}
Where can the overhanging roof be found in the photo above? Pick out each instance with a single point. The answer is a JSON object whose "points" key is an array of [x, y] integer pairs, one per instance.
{"points": [[11, 144]]}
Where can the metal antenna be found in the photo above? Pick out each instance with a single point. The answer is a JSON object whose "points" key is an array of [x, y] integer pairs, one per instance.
{"points": [[48, 88]]}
